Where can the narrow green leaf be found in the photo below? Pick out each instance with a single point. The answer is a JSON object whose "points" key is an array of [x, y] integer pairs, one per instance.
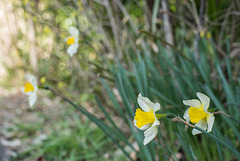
{"points": [[234, 150]]}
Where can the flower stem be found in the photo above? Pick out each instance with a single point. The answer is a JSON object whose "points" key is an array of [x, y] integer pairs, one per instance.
{"points": [[160, 116], [171, 115]]}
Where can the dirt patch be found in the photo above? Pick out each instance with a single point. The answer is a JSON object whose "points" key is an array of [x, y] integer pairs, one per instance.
{"points": [[16, 114]]}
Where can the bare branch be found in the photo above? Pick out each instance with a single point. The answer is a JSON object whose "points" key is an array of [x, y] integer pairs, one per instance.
{"points": [[178, 119]]}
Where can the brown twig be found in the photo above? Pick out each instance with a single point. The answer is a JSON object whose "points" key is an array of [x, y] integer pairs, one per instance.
{"points": [[179, 119], [221, 112]]}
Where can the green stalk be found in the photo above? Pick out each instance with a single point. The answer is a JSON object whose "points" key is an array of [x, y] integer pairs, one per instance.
{"points": [[171, 115], [160, 116]]}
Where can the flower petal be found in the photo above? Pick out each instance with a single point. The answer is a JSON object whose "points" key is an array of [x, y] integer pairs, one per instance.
{"points": [[144, 103], [143, 127], [202, 124], [195, 132], [156, 107], [29, 77], [73, 31], [32, 99], [210, 121], [186, 115], [149, 134], [192, 103], [72, 49], [204, 99], [155, 123]]}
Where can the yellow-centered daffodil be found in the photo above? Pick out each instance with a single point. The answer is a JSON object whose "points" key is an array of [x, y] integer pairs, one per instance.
{"points": [[198, 113], [30, 88], [146, 118], [72, 41]]}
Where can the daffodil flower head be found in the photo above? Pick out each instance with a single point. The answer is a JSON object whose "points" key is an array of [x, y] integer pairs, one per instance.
{"points": [[146, 119], [72, 41], [198, 113], [30, 88]]}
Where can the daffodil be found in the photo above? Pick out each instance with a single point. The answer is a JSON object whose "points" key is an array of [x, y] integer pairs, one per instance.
{"points": [[146, 118], [30, 88], [198, 113], [72, 41]]}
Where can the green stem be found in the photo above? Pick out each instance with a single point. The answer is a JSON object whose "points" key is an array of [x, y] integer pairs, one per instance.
{"points": [[160, 116], [211, 110], [41, 87], [171, 115]]}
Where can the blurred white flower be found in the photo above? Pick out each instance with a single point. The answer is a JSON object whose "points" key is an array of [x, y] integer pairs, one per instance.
{"points": [[30, 89], [147, 119], [72, 41], [198, 114]]}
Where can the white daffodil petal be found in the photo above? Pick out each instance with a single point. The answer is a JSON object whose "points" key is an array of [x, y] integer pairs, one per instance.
{"points": [[204, 99], [142, 103], [202, 124], [210, 121], [149, 134], [195, 132], [72, 49], [156, 107], [31, 79], [35, 86], [29, 93], [192, 103], [143, 127], [147, 101], [73, 31], [155, 123], [32, 99], [76, 40], [186, 116]]}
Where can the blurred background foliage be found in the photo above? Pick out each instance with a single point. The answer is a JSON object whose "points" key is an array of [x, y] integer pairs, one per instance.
{"points": [[166, 49]]}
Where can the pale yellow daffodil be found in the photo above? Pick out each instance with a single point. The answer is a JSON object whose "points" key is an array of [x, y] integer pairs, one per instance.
{"points": [[198, 113]]}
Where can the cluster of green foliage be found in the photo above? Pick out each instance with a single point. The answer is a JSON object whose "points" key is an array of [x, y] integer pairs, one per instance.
{"points": [[158, 78], [67, 138]]}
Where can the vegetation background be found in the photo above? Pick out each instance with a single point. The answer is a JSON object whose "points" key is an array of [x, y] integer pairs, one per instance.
{"points": [[166, 49]]}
